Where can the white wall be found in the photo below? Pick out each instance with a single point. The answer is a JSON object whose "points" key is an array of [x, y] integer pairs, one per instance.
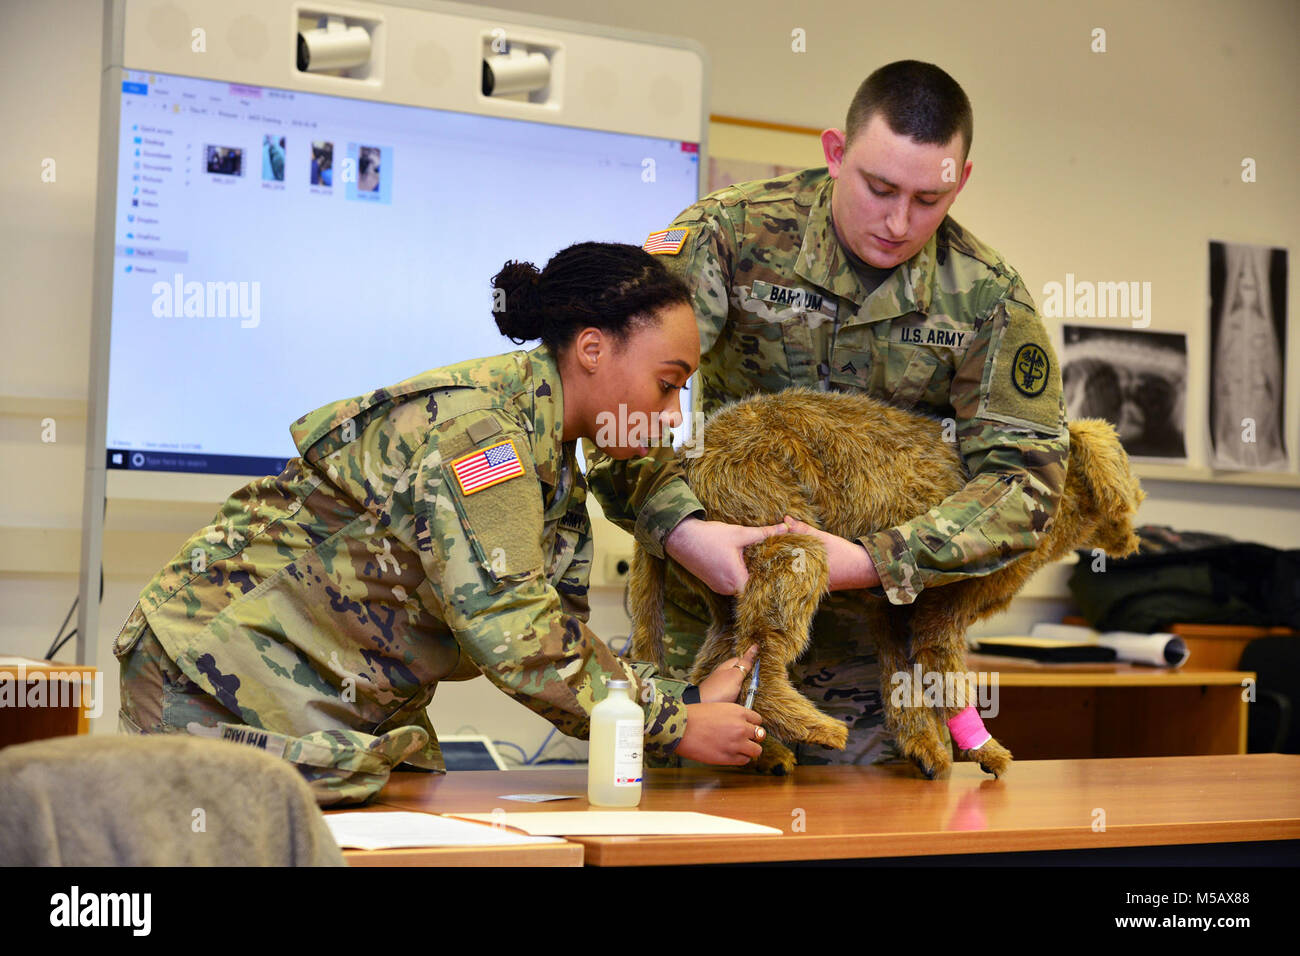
{"points": [[1115, 167]]}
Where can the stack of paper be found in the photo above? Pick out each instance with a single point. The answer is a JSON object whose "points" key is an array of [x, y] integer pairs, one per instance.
{"points": [[382, 830]]}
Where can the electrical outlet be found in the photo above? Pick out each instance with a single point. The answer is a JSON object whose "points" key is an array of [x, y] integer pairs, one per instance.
{"points": [[617, 566]]}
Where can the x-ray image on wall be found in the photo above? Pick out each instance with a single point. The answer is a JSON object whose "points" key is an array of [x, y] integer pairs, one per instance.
{"points": [[1247, 356], [1136, 380]]}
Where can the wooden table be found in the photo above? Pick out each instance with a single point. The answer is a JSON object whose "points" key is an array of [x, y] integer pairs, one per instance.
{"points": [[830, 813], [1067, 711]]}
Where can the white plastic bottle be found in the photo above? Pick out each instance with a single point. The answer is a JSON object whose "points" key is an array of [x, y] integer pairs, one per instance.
{"points": [[614, 761]]}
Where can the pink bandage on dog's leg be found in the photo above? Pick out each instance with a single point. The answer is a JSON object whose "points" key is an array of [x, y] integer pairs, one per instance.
{"points": [[968, 731]]}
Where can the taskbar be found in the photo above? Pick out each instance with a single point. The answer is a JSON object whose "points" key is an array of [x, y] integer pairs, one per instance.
{"points": [[134, 459]]}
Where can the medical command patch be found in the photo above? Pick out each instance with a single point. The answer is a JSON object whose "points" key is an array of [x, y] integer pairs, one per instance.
{"points": [[1024, 385], [487, 467], [666, 242], [1029, 369]]}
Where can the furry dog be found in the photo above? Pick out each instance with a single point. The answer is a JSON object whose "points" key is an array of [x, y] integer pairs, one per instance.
{"points": [[851, 465]]}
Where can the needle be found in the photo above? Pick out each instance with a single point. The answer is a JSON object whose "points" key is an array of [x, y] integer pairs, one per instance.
{"points": [[753, 686]]}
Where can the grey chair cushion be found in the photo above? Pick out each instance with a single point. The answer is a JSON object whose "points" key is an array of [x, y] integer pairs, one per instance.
{"points": [[158, 800]]}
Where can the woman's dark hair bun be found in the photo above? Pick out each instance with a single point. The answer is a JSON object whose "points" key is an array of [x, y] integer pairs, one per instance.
{"points": [[517, 301], [610, 286]]}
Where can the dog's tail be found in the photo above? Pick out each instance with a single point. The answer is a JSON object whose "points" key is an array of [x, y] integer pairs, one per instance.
{"points": [[1102, 490], [646, 606]]}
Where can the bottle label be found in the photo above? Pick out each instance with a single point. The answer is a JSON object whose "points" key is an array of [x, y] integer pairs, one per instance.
{"points": [[628, 736]]}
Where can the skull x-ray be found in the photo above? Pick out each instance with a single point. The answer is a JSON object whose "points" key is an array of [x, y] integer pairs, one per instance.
{"points": [[1247, 356], [1136, 380]]}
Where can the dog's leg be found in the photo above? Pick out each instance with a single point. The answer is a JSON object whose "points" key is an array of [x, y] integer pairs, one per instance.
{"points": [[719, 643], [941, 652], [776, 759], [787, 580], [906, 716], [646, 594]]}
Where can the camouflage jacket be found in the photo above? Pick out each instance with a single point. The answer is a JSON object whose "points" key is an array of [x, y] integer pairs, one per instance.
{"points": [[952, 332], [427, 532]]}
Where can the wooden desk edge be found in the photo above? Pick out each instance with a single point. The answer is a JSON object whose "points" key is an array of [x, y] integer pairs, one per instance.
{"points": [[670, 851], [544, 854], [1046, 676]]}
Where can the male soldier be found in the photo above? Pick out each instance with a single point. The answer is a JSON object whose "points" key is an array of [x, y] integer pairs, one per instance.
{"points": [[851, 277]]}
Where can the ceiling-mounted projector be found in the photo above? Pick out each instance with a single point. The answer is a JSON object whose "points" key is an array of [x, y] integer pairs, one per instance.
{"points": [[336, 47], [518, 71]]}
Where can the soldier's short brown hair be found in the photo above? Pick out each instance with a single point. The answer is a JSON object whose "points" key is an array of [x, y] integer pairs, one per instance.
{"points": [[917, 100]]}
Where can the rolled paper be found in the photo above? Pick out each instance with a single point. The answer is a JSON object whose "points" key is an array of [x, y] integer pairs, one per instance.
{"points": [[968, 730], [1159, 650]]}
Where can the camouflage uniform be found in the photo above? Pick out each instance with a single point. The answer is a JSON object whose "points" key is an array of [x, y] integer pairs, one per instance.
{"points": [[952, 332], [334, 596]]}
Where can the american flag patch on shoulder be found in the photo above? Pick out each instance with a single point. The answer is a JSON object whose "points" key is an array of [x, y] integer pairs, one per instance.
{"points": [[486, 467], [667, 242]]}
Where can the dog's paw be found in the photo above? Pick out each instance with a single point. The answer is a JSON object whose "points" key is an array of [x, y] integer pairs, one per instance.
{"points": [[829, 733], [928, 753], [992, 757], [776, 759]]}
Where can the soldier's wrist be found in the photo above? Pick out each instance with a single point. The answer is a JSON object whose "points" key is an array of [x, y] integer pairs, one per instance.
{"points": [[665, 725], [672, 540], [869, 576], [663, 513]]}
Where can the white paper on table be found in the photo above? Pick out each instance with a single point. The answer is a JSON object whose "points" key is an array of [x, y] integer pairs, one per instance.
{"points": [[1161, 650], [537, 797], [622, 823], [382, 830]]}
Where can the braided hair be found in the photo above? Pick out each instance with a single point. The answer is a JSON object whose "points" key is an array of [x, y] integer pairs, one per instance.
{"points": [[611, 286]]}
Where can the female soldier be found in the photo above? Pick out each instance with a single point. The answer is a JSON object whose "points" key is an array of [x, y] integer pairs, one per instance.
{"points": [[429, 531]]}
